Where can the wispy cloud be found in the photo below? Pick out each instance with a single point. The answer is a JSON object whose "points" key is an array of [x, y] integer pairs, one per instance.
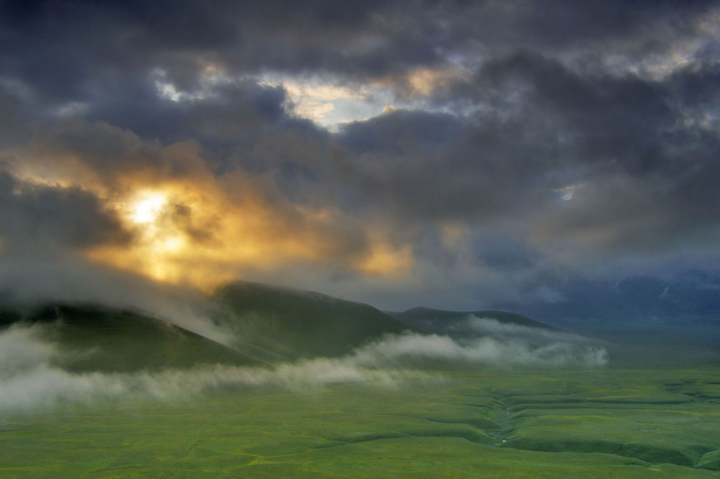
{"points": [[496, 351], [31, 380]]}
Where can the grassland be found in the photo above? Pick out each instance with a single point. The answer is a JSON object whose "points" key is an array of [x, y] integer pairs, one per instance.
{"points": [[603, 423]]}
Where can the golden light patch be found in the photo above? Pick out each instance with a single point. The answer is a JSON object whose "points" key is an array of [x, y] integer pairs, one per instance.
{"points": [[425, 80], [240, 232], [197, 234], [147, 208], [173, 244], [384, 260], [315, 101]]}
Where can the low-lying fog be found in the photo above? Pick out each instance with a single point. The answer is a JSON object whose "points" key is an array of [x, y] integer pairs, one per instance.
{"points": [[30, 377]]}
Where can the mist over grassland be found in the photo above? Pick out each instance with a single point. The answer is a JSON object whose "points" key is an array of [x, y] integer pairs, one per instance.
{"points": [[560, 422], [484, 391], [509, 399], [32, 375]]}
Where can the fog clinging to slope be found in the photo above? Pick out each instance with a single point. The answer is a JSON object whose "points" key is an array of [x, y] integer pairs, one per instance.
{"points": [[30, 380], [28, 282]]}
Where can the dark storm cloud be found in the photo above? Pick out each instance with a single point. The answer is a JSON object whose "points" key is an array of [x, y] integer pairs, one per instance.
{"points": [[40, 219], [233, 118], [646, 163], [581, 171], [71, 50], [464, 169], [11, 128]]}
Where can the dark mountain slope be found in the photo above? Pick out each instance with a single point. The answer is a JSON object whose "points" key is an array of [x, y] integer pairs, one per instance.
{"points": [[276, 323], [93, 338]]}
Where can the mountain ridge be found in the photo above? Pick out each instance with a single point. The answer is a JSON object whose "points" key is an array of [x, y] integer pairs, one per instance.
{"points": [[292, 323], [101, 338]]}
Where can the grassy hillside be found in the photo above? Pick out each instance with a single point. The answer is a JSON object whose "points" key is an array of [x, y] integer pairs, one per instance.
{"points": [[451, 322], [103, 339], [278, 323]]}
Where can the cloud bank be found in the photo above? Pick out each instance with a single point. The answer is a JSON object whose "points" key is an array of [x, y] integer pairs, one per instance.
{"points": [[30, 379], [496, 351]]}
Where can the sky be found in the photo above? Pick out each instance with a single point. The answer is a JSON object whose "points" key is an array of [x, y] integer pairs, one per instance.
{"points": [[397, 152]]}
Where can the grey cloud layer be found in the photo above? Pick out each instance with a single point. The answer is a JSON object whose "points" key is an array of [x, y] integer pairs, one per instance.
{"points": [[368, 39], [35, 218], [582, 134], [590, 166]]}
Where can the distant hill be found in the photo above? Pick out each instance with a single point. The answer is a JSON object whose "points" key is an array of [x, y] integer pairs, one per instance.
{"points": [[94, 338], [274, 323], [687, 307], [453, 322], [269, 324], [647, 320]]}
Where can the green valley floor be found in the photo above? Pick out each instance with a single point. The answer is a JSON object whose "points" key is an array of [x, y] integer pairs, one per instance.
{"points": [[601, 423]]}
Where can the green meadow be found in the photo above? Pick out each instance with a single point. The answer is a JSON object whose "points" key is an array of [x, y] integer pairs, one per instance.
{"points": [[599, 423]]}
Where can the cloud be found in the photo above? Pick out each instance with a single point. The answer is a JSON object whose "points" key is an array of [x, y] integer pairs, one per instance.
{"points": [[38, 218], [29, 282], [493, 327], [204, 229], [373, 39], [30, 380], [495, 351], [634, 150], [567, 139]]}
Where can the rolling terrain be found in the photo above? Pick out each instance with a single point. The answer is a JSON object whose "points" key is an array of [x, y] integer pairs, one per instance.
{"points": [[479, 420], [267, 324]]}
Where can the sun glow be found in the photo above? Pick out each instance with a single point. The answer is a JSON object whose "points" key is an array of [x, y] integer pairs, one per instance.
{"points": [[160, 247], [148, 207], [172, 244], [203, 236]]}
